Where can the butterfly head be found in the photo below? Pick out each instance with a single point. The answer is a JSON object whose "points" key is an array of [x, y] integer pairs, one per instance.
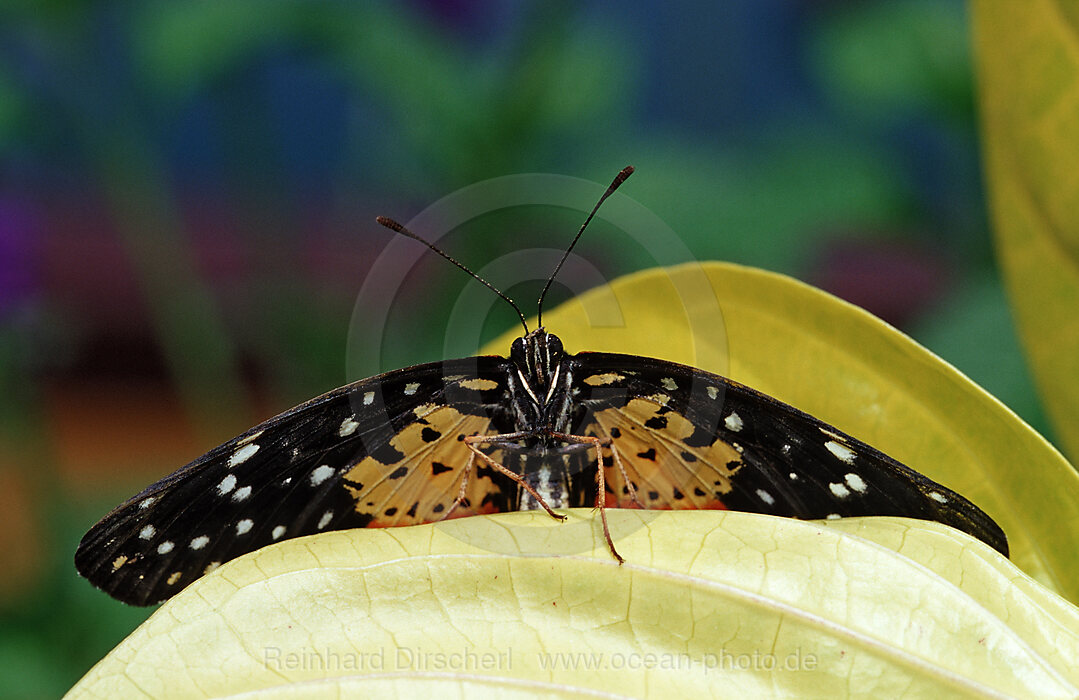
{"points": [[537, 357]]}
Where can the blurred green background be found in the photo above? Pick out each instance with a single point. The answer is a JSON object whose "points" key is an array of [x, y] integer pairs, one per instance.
{"points": [[187, 194]]}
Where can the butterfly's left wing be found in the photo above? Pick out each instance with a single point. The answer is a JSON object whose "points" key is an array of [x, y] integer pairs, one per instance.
{"points": [[383, 451], [691, 439]]}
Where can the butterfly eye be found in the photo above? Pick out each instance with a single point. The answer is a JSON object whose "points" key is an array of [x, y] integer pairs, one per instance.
{"points": [[518, 353], [554, 348]]}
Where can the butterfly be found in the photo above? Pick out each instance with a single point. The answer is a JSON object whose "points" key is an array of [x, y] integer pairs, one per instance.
{"points": [[541, 428]]}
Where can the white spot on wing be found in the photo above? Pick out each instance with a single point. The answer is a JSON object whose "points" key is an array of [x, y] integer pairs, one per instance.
{"points": [[211, 566], [669, 384], [833, 516], [325, 519], [842, 452], [174, 577], [712, 392], [241, 494], [243, 454], [839, 490], [733, 422], [348, 426], [165, 547], [147, 532], [244, 526], [147, 502], [765, 497], [227, 484], [200, 542], [793, 476], [277, 532], [938, 497], [368, 398], [320, 474], [855, 482], [411, 388]]}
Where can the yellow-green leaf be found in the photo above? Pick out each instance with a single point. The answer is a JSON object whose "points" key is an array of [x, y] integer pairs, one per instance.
{"points": [[1028, 66], [848, 368], [709, 602]]}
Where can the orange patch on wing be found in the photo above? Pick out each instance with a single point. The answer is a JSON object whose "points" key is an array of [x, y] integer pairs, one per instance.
{"points": [[667, 474], [388, 492]]}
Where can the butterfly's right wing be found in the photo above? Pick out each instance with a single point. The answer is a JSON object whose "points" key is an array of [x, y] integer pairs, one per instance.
{"points": [[383, 451], [690, 439]]}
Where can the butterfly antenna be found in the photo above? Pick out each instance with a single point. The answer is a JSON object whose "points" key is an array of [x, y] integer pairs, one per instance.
{"points": [[618, 180], [398, 228]]}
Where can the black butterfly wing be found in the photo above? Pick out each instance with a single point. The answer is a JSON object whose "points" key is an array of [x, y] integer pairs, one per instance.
{"points": [[692, 439], [383, 451]]}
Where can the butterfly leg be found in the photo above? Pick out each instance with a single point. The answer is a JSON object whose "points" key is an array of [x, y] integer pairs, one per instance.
{"points": [[601, 483], [471, 442], [464, 487], [608, 443]]}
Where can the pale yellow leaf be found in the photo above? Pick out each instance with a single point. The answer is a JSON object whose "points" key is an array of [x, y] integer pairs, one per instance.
{"points": [[709, 603]]}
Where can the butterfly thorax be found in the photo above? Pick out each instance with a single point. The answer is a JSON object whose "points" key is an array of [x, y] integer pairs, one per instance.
{"points": [[540, 381], [539, 378]]}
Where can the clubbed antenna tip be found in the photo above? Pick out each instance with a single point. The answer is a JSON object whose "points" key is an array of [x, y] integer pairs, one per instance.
{"points": [[618, 180]]}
